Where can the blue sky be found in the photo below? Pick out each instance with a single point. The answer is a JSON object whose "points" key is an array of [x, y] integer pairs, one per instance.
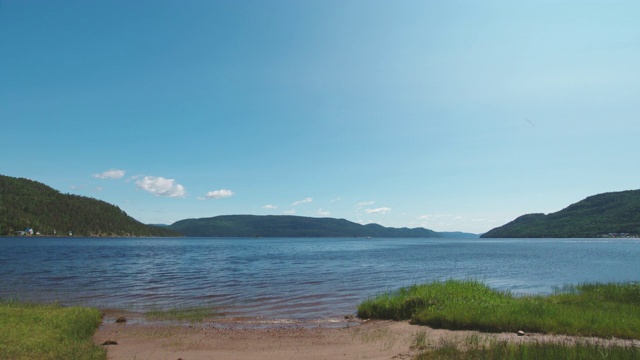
{"points": [[449, 115]]}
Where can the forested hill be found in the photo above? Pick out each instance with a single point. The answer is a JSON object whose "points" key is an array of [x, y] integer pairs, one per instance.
{"points": [[608, 214], [290, 226], [29, 204]]}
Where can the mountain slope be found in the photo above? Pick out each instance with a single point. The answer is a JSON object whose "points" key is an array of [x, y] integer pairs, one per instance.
{"points": [[289, 226], [29, 204], [598, 215]]}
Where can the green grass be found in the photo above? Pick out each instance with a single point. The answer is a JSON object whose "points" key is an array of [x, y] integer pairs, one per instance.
{"points": [[601, 310], [42, 332], [499, 350], [190, 314]]}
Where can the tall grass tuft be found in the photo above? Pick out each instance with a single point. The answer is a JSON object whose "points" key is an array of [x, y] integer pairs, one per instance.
{"points": [[43, 332], [405, 302], [601, 310]]}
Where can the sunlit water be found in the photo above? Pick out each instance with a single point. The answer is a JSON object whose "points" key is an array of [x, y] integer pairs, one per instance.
{"points": [[291, 280]]}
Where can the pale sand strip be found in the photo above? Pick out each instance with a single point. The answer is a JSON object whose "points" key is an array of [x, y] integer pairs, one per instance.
{"points": [[370, 340]]}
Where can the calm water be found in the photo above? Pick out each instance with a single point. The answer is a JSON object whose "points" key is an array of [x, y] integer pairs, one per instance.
{"points": [[271, 280]]}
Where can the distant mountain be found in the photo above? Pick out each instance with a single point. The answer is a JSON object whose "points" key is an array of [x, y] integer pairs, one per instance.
{"points": [[29, 204], [458, 235], [290, 226], [159, 225], [608, 214]]}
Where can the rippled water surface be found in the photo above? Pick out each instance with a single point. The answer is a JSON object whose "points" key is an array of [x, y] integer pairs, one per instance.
{"points": [[293, 279]]}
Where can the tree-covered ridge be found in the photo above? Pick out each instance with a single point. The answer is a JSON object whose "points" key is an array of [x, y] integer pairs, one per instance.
{"points": [[598, 215], [290, 226], [29, 204]]}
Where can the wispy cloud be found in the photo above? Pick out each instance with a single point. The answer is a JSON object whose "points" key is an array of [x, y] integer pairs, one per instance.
{"points": [[336, 199], [439, 217], [110, 174], [365, 203], [307, 200], [217, 194], [381, 211], [134, 178], [289, 212], [269, 206], [159, 186], [323, 213]]}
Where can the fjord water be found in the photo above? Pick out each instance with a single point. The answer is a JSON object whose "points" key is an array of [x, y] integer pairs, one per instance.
{"points": [[291, 279]]}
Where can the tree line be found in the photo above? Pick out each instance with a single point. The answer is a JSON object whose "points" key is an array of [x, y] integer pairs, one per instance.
{"points": [[596, 216], [26, 204]]}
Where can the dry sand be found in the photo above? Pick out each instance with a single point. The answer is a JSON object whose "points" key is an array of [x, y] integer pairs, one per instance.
{"points": [[373, 340], [369, 340]]}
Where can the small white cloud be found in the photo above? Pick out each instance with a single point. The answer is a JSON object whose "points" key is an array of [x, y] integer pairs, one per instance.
{"points": [[289, 212], [382, 210], [271, 207], [307, 200], [425, 217], [218, 194], [323, 213], [336, 199], [160, 186], [134, 177], [110, 174], [365, 203]]}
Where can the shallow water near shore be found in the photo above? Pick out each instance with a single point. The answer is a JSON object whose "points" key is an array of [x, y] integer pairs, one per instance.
{"points": [[291, 280]]}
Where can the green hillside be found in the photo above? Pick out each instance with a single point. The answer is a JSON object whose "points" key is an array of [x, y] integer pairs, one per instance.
{"points": [[29, 204], [595, 216], [290, 226]]}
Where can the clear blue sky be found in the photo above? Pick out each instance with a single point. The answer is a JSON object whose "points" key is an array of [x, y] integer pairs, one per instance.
{"points": [[449, 115]]}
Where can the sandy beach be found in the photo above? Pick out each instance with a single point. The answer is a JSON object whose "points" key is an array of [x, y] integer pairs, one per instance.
{"points": [[368, 340], [372, 340]]}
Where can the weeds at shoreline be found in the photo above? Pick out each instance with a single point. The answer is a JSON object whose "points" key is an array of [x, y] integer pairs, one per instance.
{"points": [[600, 310], [503, 349], [419, 340], [384, 336], [44, 332]]}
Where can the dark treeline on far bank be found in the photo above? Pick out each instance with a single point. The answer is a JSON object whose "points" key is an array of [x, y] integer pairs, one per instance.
{"points": [[29, 206], [614, 214]]}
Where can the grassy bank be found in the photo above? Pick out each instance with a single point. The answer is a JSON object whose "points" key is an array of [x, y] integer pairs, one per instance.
{"points": [[43, 332], [601, 310]]}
